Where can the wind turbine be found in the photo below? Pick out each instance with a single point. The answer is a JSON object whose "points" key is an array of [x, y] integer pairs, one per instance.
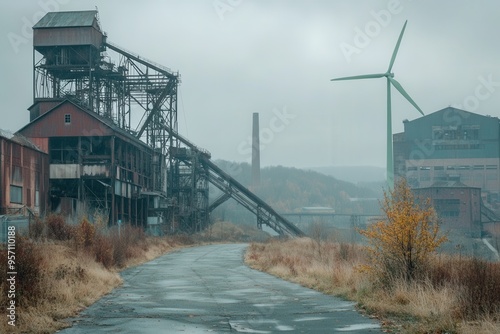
{"points": [[390, 81]]}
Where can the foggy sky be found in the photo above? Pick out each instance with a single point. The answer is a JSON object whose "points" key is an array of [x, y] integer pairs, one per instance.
{"points": [[277, 57]]}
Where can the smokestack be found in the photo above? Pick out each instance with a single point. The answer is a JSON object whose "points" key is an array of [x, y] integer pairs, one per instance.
{"points": [[255, 151]]}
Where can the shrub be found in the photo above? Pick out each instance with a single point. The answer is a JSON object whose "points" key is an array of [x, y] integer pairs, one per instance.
{"points": [[29, 271], [69, 273], [115, 247], [36, 229], [480, 282], [119, 249], [476, 281], [85, 233], [103, 251], [58, 229], [125, 241], [403, 241], [183, 239]]}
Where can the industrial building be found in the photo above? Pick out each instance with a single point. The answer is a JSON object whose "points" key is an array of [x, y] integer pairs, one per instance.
{"points": [[451, 147], [457, 205], [23, 176], [104, 123], [88, 156], [82, 116]]}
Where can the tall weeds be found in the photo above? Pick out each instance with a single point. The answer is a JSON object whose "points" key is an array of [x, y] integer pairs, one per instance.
{"points": [[29, 271], [64, 267], [476, 281], [58, 229], [453, 294]]}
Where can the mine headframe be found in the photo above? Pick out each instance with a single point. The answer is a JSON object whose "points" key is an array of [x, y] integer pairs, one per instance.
{"points": [[73, 60]]}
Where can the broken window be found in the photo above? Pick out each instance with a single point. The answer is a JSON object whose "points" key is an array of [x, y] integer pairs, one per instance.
{"points": [[96, 146], [63, 150]]}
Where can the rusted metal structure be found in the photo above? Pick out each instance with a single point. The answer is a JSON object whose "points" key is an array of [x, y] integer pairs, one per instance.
{"points": [[78, 73], [94, 164], [108, 120], [23, 176]]}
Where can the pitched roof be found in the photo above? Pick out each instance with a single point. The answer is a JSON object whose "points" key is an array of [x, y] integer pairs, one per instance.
{"points": [[449, 113], [106, 121], [67, 19], [18, 138]]}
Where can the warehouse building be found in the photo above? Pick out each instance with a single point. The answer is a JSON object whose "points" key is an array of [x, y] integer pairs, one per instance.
{"points": [[457, 205], [450, 145], [447, 148], [93, 163], [24, 178]]}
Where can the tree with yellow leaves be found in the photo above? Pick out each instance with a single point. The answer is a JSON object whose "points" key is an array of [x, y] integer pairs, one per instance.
{"points": [[403, 241]]}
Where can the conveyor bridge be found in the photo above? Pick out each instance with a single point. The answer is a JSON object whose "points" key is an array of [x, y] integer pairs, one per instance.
{"points": [[231, 188]]}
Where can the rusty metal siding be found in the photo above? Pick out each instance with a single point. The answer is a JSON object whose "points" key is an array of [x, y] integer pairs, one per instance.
{"points": [[30, 163], [67, 36], [54, 124], [96, 171], [90, 124], [41, 143], [64, 171], [119, 160], [41, 107]]}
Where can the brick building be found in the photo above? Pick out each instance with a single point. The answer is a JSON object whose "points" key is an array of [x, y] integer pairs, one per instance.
{"points": [[457, 205]]}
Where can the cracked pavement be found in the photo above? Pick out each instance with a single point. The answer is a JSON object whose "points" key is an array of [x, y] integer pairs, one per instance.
{"points": [[208, 289]]}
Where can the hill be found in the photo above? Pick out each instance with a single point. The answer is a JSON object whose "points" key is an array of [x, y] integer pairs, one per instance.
{"points": [[354, 174], [289, 189]]}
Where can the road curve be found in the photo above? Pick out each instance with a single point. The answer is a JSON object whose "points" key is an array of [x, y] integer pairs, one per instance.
{"points": [[208, 289]]}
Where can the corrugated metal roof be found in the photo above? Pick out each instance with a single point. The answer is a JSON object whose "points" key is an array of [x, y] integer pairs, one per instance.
{"points": [[18, 138], [6, 134], [67, 19]]}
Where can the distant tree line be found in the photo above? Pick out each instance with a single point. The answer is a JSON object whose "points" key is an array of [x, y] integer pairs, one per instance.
{"points": [[289, 189]]}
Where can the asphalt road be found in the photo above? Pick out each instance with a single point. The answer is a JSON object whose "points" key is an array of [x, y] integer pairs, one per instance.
{"points": [[208, 289]]}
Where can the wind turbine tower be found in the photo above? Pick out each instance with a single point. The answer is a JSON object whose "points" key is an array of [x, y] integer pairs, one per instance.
{"points": [[390, 81]]}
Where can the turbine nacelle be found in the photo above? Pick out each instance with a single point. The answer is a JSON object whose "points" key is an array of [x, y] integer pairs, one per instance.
{"points": [[390, 81]]}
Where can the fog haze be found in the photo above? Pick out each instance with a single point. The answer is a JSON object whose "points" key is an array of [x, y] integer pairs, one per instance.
{"points": [[277, 58]]}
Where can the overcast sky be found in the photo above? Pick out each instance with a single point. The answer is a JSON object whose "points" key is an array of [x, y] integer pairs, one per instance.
{"points": [[277, 57]]}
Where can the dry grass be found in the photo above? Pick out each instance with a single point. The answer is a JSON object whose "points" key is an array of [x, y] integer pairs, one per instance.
{"points": [[330, 268], [457, 295], [67, 268], [70, 280]]}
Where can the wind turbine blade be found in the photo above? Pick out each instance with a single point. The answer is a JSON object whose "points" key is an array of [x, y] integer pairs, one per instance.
{"points": [[366, 76], [395, 52], [400, 88]]}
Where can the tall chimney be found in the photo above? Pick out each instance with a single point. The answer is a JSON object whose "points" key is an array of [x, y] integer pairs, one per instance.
{"points": [[255, 151]]}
